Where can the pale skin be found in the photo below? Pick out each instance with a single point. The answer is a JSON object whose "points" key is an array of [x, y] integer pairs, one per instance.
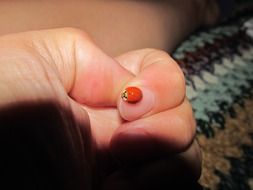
{"points": [[57, 67], [117, 26], [75, 72]]}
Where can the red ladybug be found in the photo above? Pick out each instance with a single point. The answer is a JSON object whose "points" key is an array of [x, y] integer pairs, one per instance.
{"points": [[132, 95]]}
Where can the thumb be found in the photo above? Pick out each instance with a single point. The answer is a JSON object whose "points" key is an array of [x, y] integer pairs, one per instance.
{"points": [[99, 79], [88, 75]]}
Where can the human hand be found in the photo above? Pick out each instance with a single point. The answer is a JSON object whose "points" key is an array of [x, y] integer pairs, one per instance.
{"points": [[65, 93]]}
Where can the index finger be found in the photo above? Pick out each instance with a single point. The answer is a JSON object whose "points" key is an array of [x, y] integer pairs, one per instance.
{"points": [[160, 79]]}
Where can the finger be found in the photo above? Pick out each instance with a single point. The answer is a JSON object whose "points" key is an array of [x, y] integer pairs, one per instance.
{"points": [[185, 166], [159, 78], [167, 132], [99, 78], [164, 172], [86, 72]]}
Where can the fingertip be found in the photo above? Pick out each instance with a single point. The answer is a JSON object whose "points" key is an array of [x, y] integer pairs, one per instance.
{"points": [[131, 111]]}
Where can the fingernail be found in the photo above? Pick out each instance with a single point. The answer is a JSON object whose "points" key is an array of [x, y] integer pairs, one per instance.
{"points": [[140, 103]]}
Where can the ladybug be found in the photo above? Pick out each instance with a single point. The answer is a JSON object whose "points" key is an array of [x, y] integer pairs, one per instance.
{"points": [[132, 95]]}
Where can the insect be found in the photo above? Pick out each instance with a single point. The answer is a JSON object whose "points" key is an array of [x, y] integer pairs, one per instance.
{"points": [[132, 95]]}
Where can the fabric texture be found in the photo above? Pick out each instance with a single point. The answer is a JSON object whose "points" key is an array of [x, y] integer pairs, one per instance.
{"points": [[218, 66]]}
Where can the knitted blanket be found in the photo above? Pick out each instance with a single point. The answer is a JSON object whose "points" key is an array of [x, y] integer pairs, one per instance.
{"points": [[218, 66]]}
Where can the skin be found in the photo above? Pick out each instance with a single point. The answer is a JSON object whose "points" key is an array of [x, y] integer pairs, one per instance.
{"points": [[58, 89], [60, 93], [117, 26]]}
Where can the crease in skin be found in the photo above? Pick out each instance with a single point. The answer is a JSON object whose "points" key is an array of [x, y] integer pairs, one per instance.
{"points": [[176, 122], [59, 61], [73, 48], [103, 128]]}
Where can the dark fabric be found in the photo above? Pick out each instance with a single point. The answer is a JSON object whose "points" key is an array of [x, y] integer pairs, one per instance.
{"points": [[218, 66]]}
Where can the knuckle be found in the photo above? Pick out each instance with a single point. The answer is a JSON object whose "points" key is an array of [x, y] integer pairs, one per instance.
{"points": [[157, 55], [74, 31], [169, 68], [76, 34], [79, 42], [161, 56]]}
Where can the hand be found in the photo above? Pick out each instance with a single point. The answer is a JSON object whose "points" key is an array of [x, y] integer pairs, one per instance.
{"points": [[60, 98]]}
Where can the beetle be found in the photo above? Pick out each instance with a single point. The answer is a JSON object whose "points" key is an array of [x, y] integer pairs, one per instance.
{"points": [[132, 95]]}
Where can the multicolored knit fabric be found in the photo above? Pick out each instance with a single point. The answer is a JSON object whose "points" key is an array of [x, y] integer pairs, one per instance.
{"points": [[218, 66]]}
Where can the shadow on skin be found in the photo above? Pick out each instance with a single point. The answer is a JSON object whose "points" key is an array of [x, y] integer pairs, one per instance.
{"points": [[40, 148], [153, 175]]}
